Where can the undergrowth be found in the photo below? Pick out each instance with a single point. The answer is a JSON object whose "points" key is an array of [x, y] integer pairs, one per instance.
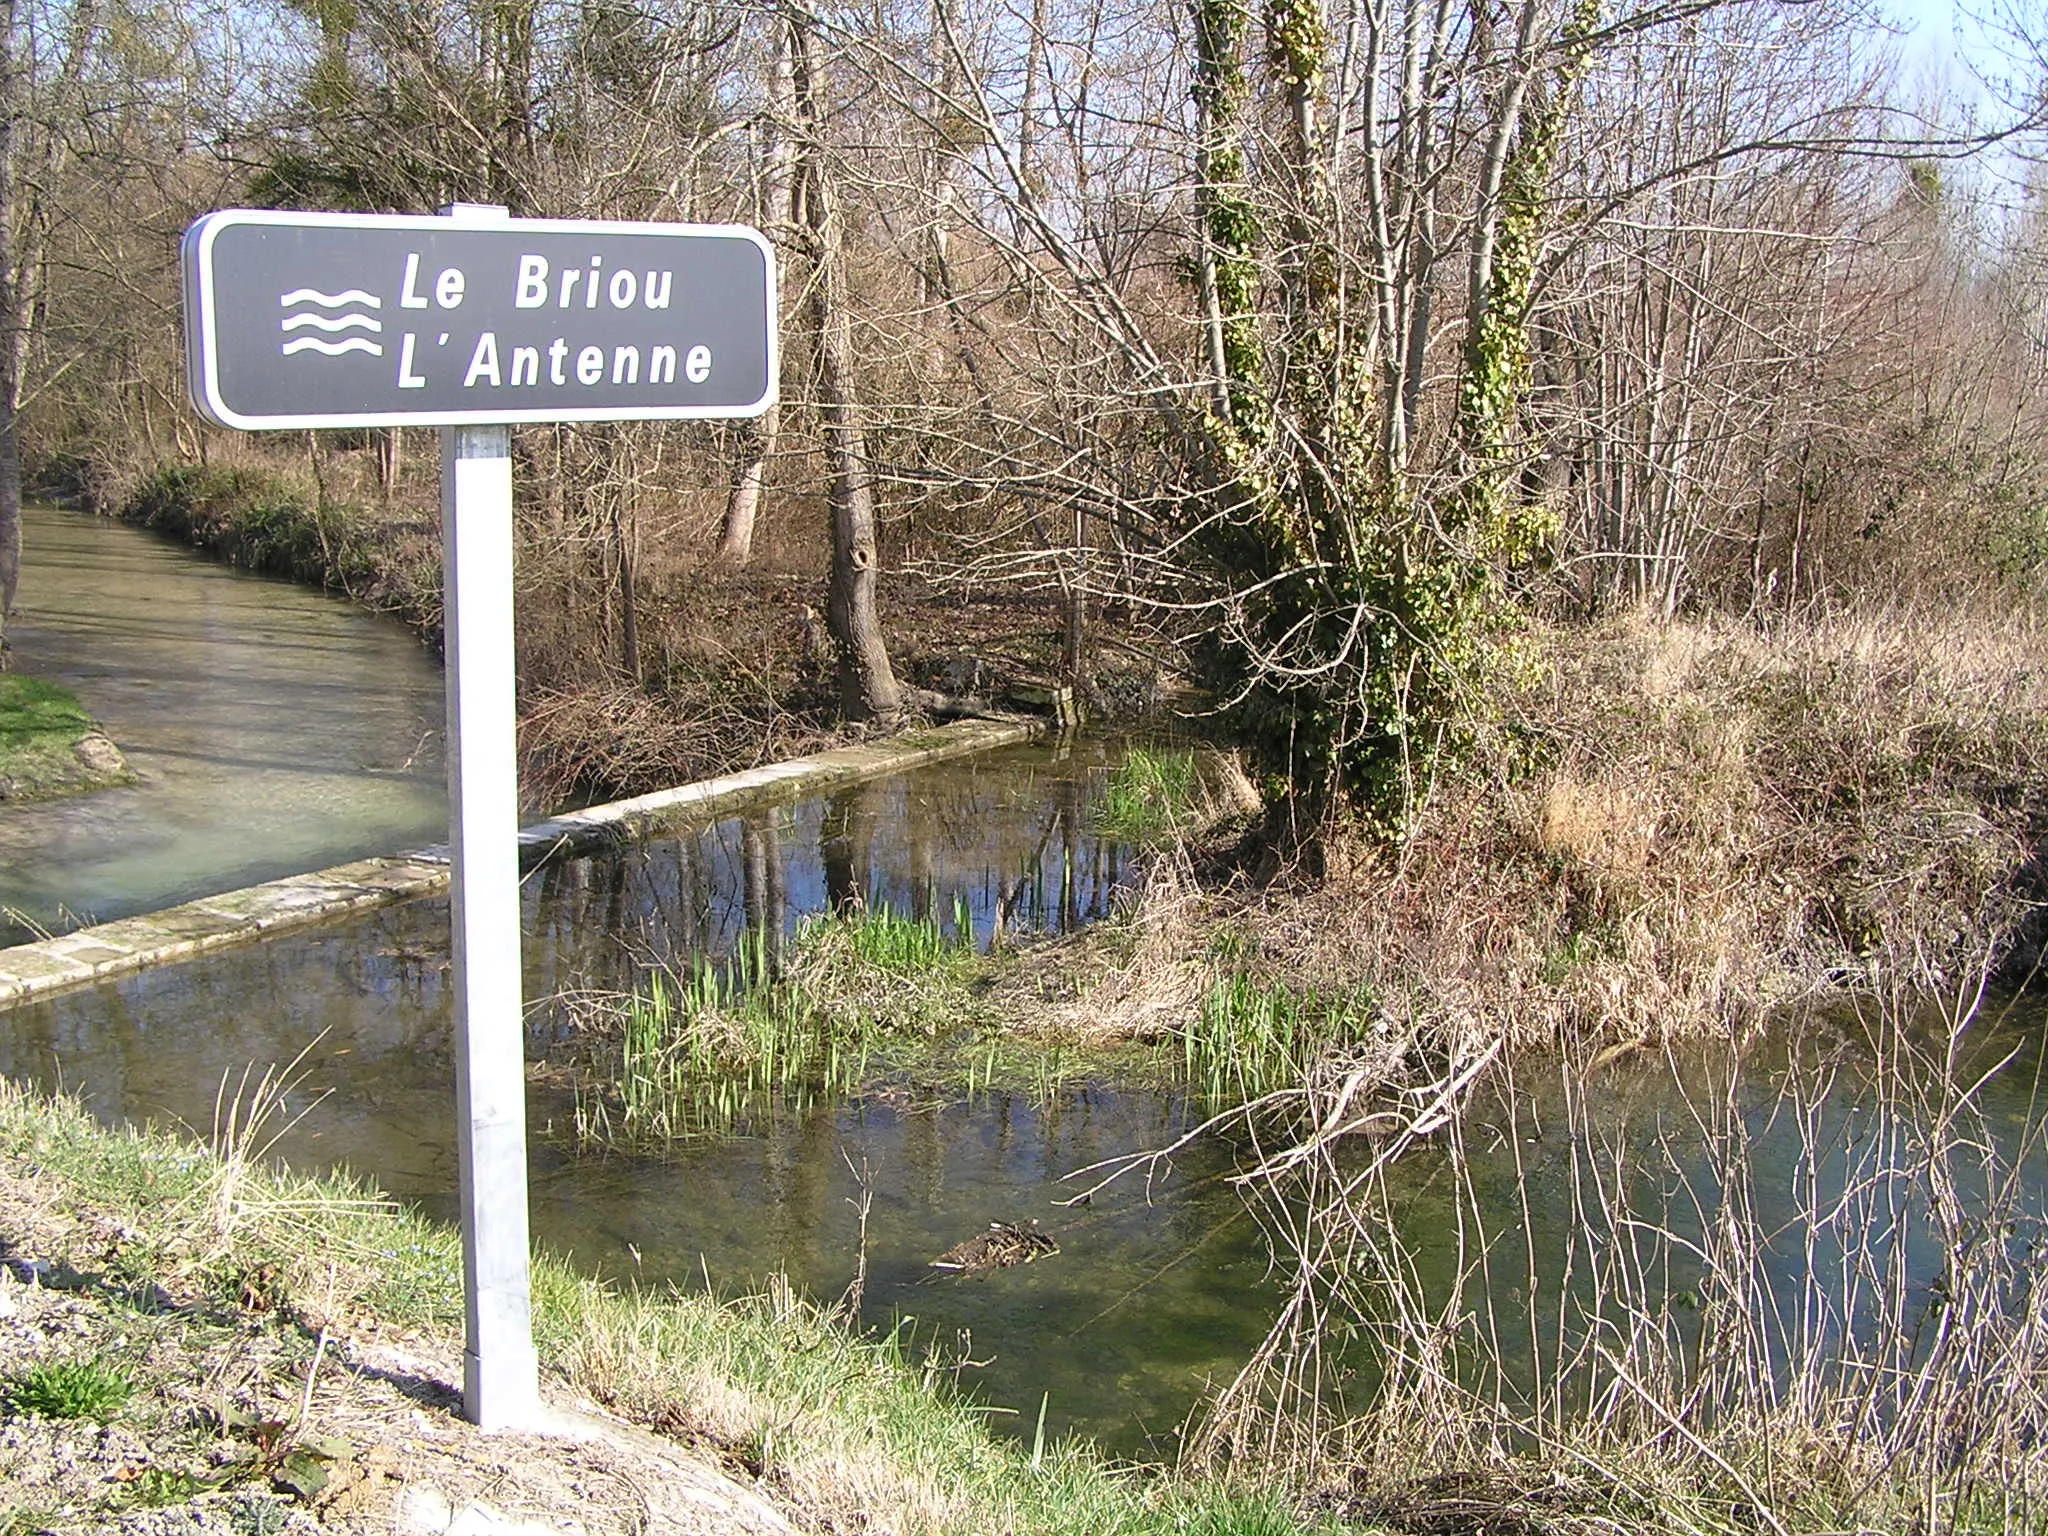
{"points": [[264, 519], [1685, 828]]}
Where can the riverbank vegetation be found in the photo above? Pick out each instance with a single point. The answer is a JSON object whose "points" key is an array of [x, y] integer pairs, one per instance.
{"points": [[1808, 1306], [49, 745], [171, 1260], [1396, 329], [1440, 1362], [1689, 827]]}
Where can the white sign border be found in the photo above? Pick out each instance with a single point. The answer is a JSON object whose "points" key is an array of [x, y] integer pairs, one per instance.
{"points": [[202, 362]]}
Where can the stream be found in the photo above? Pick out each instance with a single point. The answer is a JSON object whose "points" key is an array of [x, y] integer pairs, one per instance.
{"points": [[1115, 1334], [1161, 1288], [273, 729]]}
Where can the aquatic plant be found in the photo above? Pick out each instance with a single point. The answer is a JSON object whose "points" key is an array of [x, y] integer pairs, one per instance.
{"points": [[728, 1044], [1148, 794], [1253, 1037], [833, 950]]}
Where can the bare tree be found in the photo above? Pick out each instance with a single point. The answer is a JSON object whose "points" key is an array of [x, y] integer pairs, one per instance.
{"points": [[43, 55], [13, 321], [778, 197], [868, 689]]}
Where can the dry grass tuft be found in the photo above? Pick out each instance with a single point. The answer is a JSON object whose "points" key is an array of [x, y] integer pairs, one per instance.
{"points": [[1599, 823], [1140, 978]]}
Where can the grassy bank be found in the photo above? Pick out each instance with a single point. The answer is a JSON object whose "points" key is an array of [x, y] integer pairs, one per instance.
{"points": [[189, 1246], [284, 524], [49, 745], [1684, 828]]}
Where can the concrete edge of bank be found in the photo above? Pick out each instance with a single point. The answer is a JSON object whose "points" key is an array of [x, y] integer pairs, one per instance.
{"points": [[235, 917]]}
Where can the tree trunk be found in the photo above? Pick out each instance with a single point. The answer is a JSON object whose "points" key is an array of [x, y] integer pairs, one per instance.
{"points": [[867, 684], [12, 333], [625, 538], [778, 198]]}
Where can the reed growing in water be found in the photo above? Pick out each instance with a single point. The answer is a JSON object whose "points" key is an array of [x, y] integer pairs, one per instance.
{"points": [[1252, 1037], [1150, 793], [1771, 1313], [729, 1044]]}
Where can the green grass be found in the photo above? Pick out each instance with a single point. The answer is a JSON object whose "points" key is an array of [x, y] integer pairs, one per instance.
{"points": [[843, 1428], [29, 708], [1148, 795], [1256, 1037], [67, 1389], [157, 1487], [723, 1047], [40, 723]]}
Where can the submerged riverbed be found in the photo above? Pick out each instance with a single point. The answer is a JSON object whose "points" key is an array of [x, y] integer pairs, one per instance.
{"points": [[272, 729]]}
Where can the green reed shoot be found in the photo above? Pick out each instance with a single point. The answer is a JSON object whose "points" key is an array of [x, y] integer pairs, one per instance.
{"points": [[1148, 795], [884, 941], [1253, 1037], [723, 1046]]}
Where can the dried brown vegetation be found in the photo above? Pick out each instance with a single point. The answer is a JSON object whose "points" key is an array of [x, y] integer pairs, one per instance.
{"points": [[1691, 825]]}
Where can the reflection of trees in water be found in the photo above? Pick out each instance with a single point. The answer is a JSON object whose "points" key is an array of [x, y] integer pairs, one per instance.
{"points": [[800, 1164], [846, 844], [961, 813], [835, 854], [1011, 839], [766, 894]]}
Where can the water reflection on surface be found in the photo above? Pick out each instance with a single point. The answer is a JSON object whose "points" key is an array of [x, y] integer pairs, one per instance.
{"points": [[1160, 1287], [274, 729], [1153, 1291]]}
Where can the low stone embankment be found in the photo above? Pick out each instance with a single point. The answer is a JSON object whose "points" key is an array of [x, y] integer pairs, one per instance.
{"points": [[180, 932]]}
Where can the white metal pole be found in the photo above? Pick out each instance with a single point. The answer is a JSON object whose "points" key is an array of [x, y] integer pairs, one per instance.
{"points": [[499, 1385], [499, 1388]]}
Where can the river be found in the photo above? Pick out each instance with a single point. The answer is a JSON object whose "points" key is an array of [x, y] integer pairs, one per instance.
{"points": [[273, 729], [1162, 1286], [1152, 1292]]}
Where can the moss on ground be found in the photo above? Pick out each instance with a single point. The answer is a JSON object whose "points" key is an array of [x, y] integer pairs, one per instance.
{"points": [[49, 745]]}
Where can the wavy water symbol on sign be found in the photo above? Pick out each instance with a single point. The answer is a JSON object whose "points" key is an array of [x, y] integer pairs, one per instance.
{"points": [[307, 304]]}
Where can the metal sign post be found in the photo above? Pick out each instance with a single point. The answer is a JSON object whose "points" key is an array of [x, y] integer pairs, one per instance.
{"points": [[471, 321], [499, 1386], [500, 1375]]}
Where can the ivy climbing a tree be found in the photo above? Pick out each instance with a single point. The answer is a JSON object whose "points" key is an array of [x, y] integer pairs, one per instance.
{"points": [[1359, 592]]}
